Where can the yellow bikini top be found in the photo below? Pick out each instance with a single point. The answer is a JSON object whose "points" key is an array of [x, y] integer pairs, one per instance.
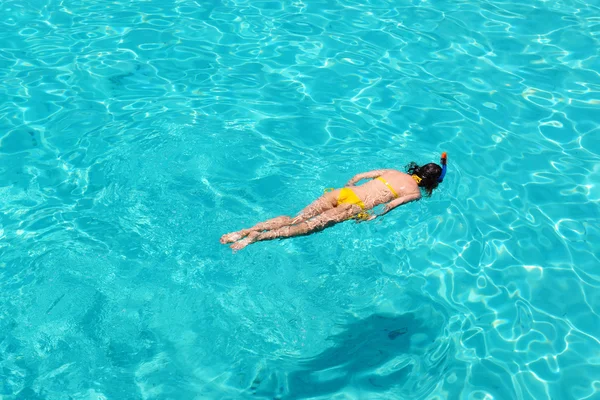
{"points": [[388, 185], [417, 179]]}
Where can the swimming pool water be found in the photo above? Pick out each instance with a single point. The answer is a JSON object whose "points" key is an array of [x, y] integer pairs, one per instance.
{"points": [[135, 133]]}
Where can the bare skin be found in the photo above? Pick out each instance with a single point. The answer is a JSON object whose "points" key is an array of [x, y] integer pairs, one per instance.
{"points": [[326, 211]]}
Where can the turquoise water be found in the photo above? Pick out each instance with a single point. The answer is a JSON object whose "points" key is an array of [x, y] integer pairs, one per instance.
{"points": [[134, 134]]}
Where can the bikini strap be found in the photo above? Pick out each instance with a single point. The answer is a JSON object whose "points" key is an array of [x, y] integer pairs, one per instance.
{"points": [[379, 178]]}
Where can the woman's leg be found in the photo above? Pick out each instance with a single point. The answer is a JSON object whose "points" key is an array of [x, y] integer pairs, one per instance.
{"points": [[323, 203], [319, 222], [273, 223]]}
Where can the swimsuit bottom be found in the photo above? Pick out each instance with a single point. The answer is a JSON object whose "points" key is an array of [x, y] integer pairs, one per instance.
{"points": [[347, 196]]}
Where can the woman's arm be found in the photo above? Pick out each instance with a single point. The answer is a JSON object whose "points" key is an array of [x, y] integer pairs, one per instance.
{"points": [[397, 202], [366, 175]]}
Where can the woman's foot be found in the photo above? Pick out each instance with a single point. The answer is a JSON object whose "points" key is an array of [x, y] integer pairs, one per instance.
{"points": [[251, 238], [234, 236], [271, 224]]}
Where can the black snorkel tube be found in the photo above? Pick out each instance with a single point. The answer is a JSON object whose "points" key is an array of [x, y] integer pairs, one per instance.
{"points": [[443, 161]]}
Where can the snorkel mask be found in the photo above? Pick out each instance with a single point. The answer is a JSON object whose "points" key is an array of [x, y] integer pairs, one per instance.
{"points": [[443, 161]]}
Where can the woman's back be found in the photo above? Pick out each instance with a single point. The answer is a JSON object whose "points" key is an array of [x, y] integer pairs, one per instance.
{"points": [[375, 191]]}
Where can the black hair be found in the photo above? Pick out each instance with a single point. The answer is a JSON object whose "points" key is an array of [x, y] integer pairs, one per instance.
{"points": [[429, 174]]}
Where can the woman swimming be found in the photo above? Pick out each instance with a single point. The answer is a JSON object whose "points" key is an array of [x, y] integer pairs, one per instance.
{"points": [[350, 202]]}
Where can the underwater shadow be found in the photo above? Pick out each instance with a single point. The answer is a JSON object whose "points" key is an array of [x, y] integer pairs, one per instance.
{"points": [[376, 354]]}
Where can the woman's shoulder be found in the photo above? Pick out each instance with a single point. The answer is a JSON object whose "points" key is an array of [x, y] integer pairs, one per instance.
{"points": [[395, 172]]}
